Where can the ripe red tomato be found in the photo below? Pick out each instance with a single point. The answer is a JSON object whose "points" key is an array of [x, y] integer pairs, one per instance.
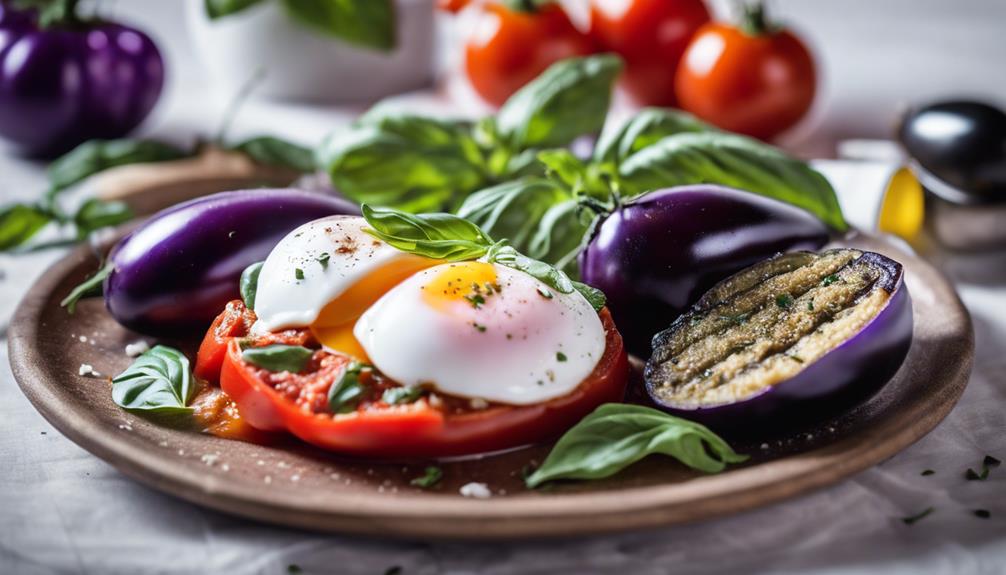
{"points": [[297, 403], [509, 48], [651, 36], [757, 81]]}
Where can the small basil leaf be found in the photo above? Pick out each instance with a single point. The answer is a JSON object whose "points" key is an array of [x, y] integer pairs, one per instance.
{"points": [[367, 23], [158, 381], [735, 161], [95, 214], [20, 222], [430, 477], [406, 162], [220, 8], [438, 236], [345, 392], [398, 395], [272, 151], [593, 295], [567, 100], [249, 284], [644, 129], [279, 357], [507, 256], [89, 287], [96, 156], [617, 435]]}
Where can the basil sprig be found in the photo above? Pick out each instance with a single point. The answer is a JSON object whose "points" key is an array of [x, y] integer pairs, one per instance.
{"points": [[278, 357], [647, 127], [452, 238], [345, 393], [96, 156], [421, 164], [159, 381], [616, 435], [273, 151], [368, 23], [248, 285]]}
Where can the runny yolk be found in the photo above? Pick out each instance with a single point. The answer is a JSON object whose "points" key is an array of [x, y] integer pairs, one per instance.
{"points": [[469, 283], [334, 326]]}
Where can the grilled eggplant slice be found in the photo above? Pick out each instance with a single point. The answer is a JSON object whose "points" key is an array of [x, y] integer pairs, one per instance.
{"points": [[802, 334]]}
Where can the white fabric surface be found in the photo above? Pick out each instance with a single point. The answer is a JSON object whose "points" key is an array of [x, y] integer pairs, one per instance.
{"points": [[65, 511]]}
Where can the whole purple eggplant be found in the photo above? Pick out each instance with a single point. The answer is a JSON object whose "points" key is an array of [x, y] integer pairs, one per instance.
{"points": [[176, 272], [656, 255], [812, 380], [65, 80]]}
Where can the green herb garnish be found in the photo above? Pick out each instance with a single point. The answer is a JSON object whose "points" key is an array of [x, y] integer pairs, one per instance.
{"points": [[398, 395], [249, 284], [784, 300], [278, 357], [478, 326], [912, 519], [545, 293], [344, 395], [158, 381], [298, 273], [323, 260], [476, 300], [559, 356], [430, 477], [828, 280]]}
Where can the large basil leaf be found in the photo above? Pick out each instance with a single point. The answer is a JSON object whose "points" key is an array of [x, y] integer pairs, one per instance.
{"points": [[617, 435], [220, 8], [272, 151], [407, 162], [646, 128], [436, 235], [159, 381], [567, 100], [731, 160], [19, 223], [367, 23], [95, 214], [96, 156]]}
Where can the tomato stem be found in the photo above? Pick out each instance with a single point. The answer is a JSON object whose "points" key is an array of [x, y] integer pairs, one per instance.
{"points": [[754, 21]]}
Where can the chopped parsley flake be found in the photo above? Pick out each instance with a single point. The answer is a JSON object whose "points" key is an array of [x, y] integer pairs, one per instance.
{"points": [[298, 273], [476, 300], [323, 260], [481, 328], [399, 395], [828, 280], [430, 477], [917, 517], [810, 305], [784, 300], [559, 356]]}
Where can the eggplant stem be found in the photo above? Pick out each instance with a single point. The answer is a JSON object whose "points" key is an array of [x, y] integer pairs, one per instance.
{"points": [[231, 113]]}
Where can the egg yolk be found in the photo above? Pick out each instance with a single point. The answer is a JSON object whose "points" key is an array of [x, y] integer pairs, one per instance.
{"points": [[468, 283], [334, 326]]}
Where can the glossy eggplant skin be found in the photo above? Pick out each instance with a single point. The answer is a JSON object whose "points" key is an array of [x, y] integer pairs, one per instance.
{"points": [[961, 144], [655, 256], [70, 82], [844, 377], [174, 273]]}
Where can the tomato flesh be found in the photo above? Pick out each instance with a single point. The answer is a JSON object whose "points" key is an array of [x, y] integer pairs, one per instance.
{"points": [[428, 427]]}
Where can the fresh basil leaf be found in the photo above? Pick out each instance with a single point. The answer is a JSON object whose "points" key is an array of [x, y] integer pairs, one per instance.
{"points": [[406, 162], [249, 284], [96, 156], [567, 100], [439, 236], [644, 129], [399, 395], [506, 255], [272, 151], [89, 287], [430, 477], [345, 392], [594, 296], [617, 435], [367, 23], [735, 161], [278, 357], [95, 214], [159, 381], [20, 222], [220, 8]]}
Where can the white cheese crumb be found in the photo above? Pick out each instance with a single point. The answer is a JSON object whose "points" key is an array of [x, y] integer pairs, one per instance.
{"points": [[162, 443], [138, 347], [209, 458], [260, 462], [83, 339], [87, 369], [295, 478], [283, 465], [125, 427], [225, 468], [476, 490], [478, 403], [267, 479], [335, 476]]}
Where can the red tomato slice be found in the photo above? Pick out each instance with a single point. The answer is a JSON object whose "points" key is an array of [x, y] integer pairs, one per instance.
{"points": [[295, 403]]}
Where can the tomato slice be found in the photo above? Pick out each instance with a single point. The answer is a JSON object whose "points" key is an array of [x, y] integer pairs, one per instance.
{"points": [[424, 428]]}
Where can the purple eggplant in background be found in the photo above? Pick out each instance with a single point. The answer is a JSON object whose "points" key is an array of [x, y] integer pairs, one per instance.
{"points": [[795, 338], [65, 80], [176, 272], [657, 254]]}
